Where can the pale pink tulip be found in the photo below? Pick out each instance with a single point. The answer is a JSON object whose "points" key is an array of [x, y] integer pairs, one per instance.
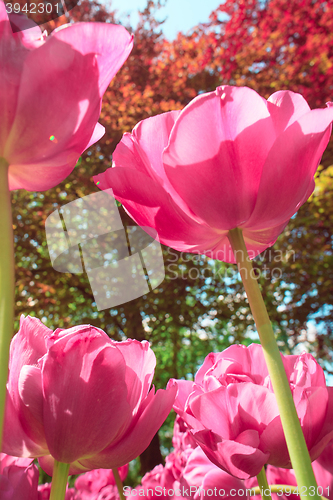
{"points": [[51, 90], [80, 398], [18, 478], [232, 413], [229, 159]]}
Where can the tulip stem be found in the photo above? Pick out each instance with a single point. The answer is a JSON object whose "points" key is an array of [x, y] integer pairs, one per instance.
{"points": [[59, 480], [297, 448], [7, 284], [118, 483], [264, 489]]}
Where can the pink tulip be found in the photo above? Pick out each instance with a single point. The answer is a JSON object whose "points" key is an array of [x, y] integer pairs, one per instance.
{"points": [[164, 481], [201, 478], [93, 482], [80, 398], [157, 483], [44, 492], [229, 159], [232, 412], [182, 438], [51, 90], [18, 478], [198, 478], [323, 471]]}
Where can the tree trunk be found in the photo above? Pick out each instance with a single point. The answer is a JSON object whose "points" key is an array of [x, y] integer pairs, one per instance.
{"points": [[151, 456]]}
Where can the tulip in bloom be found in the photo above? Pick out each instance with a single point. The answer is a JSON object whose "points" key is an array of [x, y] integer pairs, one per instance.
{"points": [[51, 90], [230, 159], [232, 412], [80, 398]]}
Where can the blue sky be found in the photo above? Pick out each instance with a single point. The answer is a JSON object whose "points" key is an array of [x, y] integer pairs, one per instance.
{"points": [[182, 15]]}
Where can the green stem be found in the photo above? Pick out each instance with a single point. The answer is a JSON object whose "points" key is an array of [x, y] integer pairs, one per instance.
{"points": [[297, 448], [279, 488], [118, 483], [264, 489], [59, 480], [7, 284]]}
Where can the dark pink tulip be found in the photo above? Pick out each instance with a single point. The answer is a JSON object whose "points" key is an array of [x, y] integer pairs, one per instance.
{"points": [[202, 478], [228, 159], [80, 398], [51, 90], [18, 478], [189, 474], [232, 412], [164, 481], [44, 492], [93, 482], [323, 471]]}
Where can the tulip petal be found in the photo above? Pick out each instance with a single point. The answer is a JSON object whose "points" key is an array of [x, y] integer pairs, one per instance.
{"points": [[212, 411], [285, 107], [111, 45], [98, 133], [197, 467], [184, 389], [237, 459], [208, 363], [143, 148], [26, 348], [214, 158], [65, 116], [47, 463], [10, 75], [30, 391], [140, 365], [295, 156], [142, 151], [150, 418], [326, 434], [15, 439], [311, 411], [272, 439], [258, 240], [150, 205], [218, 481], [228, 410]]}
